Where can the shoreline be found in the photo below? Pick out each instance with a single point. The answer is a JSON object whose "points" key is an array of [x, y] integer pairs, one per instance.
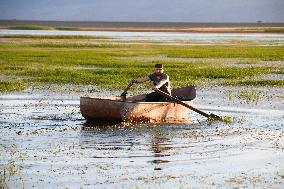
{"points": [[179, 27]]}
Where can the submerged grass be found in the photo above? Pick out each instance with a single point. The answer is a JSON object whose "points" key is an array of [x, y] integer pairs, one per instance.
{"points": [[112, 65], [3, 184], [6, 86], [256, 82], [246, 94], [75, 45], [249, 95]]}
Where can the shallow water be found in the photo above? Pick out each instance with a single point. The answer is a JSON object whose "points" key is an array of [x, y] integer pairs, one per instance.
{"points": [[45, 143], [165, 36]]}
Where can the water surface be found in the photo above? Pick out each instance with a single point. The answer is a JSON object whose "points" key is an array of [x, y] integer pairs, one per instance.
{"points": [[49, 144], [168, 36]]}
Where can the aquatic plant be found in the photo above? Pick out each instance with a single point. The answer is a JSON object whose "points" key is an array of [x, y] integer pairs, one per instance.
{"points": [[280, 175], [255, 82], [6, 86], [249, 95], [3, 177], [227, 119]]}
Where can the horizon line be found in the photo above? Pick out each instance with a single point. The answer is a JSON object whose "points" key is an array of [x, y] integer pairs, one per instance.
{"points": [[256, 22]]}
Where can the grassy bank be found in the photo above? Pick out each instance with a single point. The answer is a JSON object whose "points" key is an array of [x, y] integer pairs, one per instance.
{"points": [[274, 30], [34, 27], [55, 60], [30, 27]]}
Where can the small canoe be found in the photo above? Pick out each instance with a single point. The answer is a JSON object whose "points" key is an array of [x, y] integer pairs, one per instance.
{"points": [[135, 109]]}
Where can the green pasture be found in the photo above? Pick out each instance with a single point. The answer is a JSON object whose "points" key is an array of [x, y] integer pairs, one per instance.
{"points": [[91, 61]]}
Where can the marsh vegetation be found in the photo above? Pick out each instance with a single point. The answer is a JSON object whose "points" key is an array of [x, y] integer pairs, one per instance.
{"points": [[28, 61], [46, 142]]}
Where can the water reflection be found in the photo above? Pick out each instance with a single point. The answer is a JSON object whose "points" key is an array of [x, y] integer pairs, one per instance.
{"points": [[161, 147], [119, 140]]}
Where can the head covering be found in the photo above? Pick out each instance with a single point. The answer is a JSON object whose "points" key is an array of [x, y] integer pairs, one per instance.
{"points": [[159, 66]]}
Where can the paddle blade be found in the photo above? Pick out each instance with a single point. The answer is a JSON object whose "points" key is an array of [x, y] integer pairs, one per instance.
{"points": [[213, 117], [184, 93]]}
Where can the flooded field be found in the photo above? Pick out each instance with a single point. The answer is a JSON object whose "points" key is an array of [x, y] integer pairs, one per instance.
{"points": [[161, 36], [46, 143]]}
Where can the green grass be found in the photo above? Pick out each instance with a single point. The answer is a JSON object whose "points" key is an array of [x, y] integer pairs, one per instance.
{"points": [[34, 27], [6, 86], [256, 82], [3, 184], [108, 65], [254, 52], [274, 30], [68, 28], [249, 96], [246, 94], [30, 27], [74, 28]]}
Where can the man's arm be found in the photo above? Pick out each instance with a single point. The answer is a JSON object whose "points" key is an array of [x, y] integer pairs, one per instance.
{"points": [[141, 80], [162, 82]]}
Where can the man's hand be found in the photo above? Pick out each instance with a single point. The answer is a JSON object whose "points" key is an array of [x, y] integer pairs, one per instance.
{"points": [[123, 94], [154, 88], [133, 81]]}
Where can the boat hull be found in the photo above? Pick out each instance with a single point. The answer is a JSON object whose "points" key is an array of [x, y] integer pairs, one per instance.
{"points": [[113, 109]]}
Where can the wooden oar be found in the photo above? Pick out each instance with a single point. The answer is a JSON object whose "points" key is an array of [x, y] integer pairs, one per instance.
{"points": [[123, 95], [209, 116]]}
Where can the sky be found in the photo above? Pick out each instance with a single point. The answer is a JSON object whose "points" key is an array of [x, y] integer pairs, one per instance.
{"points": [[145, 10]]}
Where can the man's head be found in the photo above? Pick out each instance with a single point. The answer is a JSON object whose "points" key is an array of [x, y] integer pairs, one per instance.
{"points": [[159, 69]]}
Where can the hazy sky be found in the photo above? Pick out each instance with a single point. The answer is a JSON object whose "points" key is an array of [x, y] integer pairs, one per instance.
{"points": [[145, 10]]}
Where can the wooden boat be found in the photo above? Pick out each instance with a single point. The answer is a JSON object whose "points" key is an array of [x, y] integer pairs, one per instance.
{"points": [[135, 109]]}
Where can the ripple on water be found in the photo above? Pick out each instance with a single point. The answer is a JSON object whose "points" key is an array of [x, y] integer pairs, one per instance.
{"points": [[51, 144]]}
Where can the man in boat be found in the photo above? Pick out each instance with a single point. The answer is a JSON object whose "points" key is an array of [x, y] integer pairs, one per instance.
{"points": [[160, 81]]}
